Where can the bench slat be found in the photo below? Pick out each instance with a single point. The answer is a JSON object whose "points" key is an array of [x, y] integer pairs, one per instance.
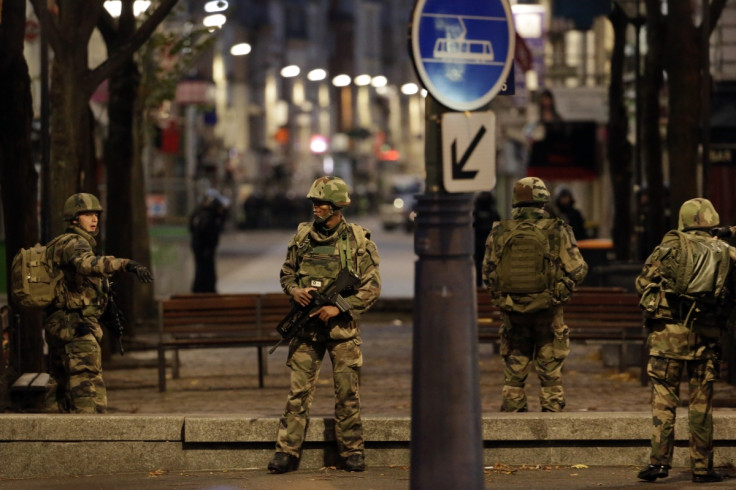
{"points": [[211, 303]]}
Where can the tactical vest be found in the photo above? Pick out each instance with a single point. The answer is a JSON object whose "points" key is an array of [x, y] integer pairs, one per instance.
{"points": [[320, 264]]}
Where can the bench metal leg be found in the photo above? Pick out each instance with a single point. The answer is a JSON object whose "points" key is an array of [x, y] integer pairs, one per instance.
{"points": [[264, 363], [644, 377], [161, 369], [261, 362], [175, 365]]}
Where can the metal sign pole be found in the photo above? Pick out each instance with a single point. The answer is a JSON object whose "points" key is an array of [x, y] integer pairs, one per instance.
{"points": [[446, 436], [463, 53]]}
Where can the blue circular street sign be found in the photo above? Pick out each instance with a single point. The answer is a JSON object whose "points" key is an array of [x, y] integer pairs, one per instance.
{"points": [[462, 50]]}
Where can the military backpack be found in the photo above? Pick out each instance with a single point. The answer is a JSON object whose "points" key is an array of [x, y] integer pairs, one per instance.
{"points": [[34, 277], [529, 264], [692, 267]]}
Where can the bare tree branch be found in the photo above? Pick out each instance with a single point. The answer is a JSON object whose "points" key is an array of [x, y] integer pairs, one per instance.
{"points": [[716, 9], [106, 25], [116, 59], [88, 22], [55, 36]]}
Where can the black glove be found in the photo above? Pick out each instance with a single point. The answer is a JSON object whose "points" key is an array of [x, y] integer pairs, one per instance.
{"points": [[721, 232], [141, 271]]}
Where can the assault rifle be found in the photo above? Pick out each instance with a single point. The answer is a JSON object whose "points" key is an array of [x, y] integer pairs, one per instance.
{"points": [[114, 320], [299, 315]]}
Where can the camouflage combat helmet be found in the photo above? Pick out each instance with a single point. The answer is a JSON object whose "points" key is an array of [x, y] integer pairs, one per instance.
{"points": [[697, 213], [530, 191], [80, 203], [330, 189]]}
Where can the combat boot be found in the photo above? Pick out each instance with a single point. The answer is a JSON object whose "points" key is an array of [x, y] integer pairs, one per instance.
{"points": [[710, 477], [355, 462], [282, 462], [654, 471]]}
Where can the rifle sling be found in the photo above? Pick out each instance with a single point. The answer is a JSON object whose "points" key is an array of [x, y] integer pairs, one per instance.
{"points": [[345, 253]]}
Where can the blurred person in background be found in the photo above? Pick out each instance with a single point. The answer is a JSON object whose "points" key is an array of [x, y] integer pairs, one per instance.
{"points": [[205, 225], [565, 209], [484, 215]]}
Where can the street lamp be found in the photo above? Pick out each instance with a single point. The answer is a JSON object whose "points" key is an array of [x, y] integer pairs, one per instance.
{"points": [[214, 21], [316, 75], [240, 49], [290, 71], [323, 99], [215, 6], [341, 80], [409, 88], [114, 7], [362, 80], [379, 81]]}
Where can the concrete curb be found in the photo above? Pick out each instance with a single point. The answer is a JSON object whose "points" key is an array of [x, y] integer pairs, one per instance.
{"points": [[42, 445]]}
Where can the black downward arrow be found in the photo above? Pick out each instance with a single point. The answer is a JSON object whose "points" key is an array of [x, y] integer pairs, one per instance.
{"points": [[457, 166]]}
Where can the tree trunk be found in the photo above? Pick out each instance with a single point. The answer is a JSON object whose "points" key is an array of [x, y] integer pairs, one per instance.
{"points": [[682, 63], [72, 144], [654, 225], [619, 148], [18, 177], [126, 188], [127, 230]]}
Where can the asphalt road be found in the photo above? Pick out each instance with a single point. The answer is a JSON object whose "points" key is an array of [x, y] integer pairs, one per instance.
{"points": [[249, 261]]}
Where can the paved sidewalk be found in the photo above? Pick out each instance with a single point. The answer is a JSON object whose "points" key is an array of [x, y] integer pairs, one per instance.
{"points": [[378, 478], [225, 381]]}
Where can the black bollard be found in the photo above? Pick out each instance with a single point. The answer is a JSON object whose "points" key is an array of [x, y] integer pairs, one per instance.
{"points": [[446, 437]]}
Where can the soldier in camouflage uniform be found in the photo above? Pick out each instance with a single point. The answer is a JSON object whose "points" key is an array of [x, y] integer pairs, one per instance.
{"points": [[533, 328], [72, 325], [315, 256], [681, 339]]}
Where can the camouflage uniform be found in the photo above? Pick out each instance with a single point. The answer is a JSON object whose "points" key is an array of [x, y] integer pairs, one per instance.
{"points": [[73, 330], [676, 345], [529, 333], [314, 258]]}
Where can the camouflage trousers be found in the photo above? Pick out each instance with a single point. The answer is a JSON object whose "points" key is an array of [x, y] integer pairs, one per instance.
{"points": [[543, 339], [665, 375], [75, 363], [305, 360]]}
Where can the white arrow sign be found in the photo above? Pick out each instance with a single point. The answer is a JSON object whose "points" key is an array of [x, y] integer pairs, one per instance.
{"points": [[469, 151]]}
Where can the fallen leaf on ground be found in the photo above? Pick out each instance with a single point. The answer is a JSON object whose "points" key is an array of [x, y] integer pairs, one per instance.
{"points": [[579, 466], [154, 474], [625, 376]]}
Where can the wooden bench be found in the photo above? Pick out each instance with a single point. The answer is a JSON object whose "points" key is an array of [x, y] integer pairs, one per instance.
{"points": [[592, 313], [28, 390], [205, 320]]}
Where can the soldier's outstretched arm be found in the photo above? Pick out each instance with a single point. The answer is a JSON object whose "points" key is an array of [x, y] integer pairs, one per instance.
{"points": [[80, 255]]}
